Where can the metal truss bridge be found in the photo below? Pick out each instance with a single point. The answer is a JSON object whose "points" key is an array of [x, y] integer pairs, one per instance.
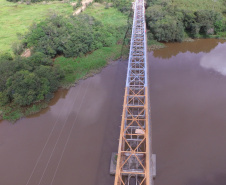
{"points": [[135, 161]]}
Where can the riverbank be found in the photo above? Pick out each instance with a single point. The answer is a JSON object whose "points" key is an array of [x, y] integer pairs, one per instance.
{"points": [[155, 45], [174, 21], [81, 67], [85, 65], [75, 70]]}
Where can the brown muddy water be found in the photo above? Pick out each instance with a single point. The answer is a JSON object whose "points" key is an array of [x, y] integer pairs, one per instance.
{"points": [[70, 142]]}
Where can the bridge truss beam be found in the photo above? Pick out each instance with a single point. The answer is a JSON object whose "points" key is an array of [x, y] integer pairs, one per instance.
{"points": [[134, 161]]}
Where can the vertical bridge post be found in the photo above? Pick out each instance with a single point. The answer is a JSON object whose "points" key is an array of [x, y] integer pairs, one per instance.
{"points": [[135, 165]]}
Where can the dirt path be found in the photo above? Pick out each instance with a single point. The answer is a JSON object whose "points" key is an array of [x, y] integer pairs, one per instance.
{"points": [[85, 3], [26, 53]]}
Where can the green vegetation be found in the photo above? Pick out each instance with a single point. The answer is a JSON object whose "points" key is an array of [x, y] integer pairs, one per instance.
{"points": [[107, 16], [17, 18], [29, 1], [69, 36], [14, 112], [195, 5], [153, 44], [78, 4], [78, 68], [171, 20], [24, 81], [64, 50], [124, 6]]}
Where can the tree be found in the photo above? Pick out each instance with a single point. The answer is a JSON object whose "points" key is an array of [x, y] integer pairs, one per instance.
{"points": [[69, 36], [167, 29], [24, 81]]}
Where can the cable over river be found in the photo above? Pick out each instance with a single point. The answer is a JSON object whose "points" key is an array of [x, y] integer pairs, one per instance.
{"points": [[187, 93]]}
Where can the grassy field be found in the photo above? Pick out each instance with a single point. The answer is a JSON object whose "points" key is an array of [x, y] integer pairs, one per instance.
{"points": [[80, 67], [109, 16], [16, 18], [200, 4]]}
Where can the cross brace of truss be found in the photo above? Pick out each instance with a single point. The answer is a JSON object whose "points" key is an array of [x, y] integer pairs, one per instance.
{"points": [[134, 151]]}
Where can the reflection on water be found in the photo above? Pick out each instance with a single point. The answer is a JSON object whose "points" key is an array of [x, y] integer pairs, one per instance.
{"points": [[60, 94], [172, 49], [216, 59], [188, 113]]}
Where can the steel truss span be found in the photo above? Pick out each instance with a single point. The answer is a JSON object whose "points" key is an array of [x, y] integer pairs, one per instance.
{"points": [[134, 161]]}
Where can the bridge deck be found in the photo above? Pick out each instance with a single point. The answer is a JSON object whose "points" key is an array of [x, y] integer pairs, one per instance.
{"points": [[134, 161]]}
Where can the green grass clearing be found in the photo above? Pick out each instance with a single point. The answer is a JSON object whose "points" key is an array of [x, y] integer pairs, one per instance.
{"points": [[110, 16], [76, 69], [17, 18], [200, 4]]}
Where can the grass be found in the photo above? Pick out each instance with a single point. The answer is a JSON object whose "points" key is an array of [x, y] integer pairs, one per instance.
{"points": [[16, 18], [200, 4], [154, 44], [13, 112], [109, 16], [76, 69], [221, 35]]}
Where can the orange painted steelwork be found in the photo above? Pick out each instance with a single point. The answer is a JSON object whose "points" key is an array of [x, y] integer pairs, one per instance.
{"points": [[134, 161]]}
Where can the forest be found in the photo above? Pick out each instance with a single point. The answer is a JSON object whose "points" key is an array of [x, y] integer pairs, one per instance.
{"points": [[172, 21]]}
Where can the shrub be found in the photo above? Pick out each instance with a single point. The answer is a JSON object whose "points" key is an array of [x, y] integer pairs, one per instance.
{"points": [[17, 48], [207, 19], [123, 6], [28, 2], [24, 81], [162, 22], [167, 29], [71, 37], [220, 26], [168, 23]]}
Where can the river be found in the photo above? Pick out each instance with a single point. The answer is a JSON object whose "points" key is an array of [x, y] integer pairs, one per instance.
{"points": [[71, 141]]}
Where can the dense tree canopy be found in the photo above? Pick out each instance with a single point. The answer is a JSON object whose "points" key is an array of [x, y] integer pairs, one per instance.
{"points": [[68, 36], [27, 80], [24, 81], [169, 23]]}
